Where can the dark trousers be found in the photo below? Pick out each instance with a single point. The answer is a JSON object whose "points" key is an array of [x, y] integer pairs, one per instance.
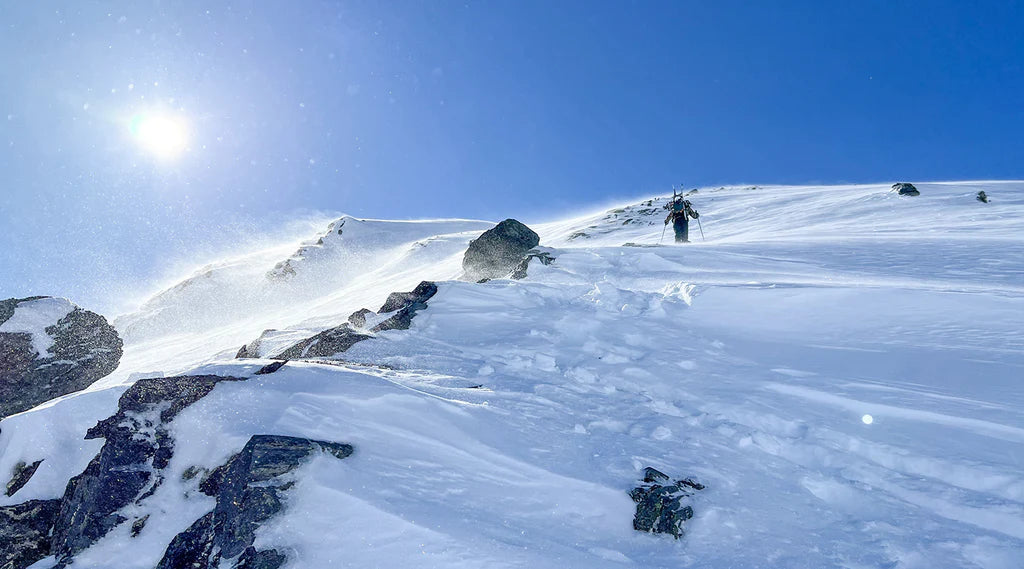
{"points": [[681, 226]]}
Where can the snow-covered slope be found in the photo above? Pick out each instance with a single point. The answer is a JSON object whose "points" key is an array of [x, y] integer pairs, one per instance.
{"points": [[840, 366]]}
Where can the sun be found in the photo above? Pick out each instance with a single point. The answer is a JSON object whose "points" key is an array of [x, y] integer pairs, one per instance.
{"points": [[164, 136]]}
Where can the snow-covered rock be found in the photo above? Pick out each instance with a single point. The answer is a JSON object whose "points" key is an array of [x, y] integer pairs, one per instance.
{"points": [[249, 490], [49, 347]]}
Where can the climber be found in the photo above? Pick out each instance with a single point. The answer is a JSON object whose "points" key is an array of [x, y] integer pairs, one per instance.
{"points": [[680, 216]]}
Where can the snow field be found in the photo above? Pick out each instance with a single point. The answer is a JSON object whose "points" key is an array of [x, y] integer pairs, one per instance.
{"points": [[514, 416]]}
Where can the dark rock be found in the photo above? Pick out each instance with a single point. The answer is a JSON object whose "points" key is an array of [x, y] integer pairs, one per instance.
{"points": [[405, 305], [544, 257], [982, 197], [85, 348], [325, 344], [496, 253], [271, 368], [22, 474], [192, 548], [267, 559], [358, 318], [25, 532], [128, 468], [7, 306], [654, 475], [402, 307], [399, 300], [191, 472], [663, 508], [248, 490], [139, 525], [905, 189]]}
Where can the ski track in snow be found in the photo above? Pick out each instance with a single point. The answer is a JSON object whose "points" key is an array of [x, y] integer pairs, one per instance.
{"points": [[515, 415]]}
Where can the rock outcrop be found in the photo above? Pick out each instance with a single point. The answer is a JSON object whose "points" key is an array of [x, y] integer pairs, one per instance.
{"points": [[662, 505], [248, 490], [129, 466], [325, 344], [25, 532], [905, 189], [396, 314], [498, 251], [404, 305], [49, 347], [982, 197]]}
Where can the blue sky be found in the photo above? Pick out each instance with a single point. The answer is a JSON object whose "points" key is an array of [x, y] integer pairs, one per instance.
{"points": [[464, 109]]}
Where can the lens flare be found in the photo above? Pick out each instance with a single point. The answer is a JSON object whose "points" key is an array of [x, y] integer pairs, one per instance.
{"points": [[163, 136]]}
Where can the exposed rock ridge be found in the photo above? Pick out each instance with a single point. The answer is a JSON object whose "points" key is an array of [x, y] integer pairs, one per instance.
{"points": [[396, 314]]}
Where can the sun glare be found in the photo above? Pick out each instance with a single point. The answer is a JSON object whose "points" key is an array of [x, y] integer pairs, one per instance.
{"points": [[163, 136]]}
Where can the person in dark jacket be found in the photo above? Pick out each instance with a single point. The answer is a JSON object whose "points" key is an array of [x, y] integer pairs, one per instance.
{"points": [[680, 216]]}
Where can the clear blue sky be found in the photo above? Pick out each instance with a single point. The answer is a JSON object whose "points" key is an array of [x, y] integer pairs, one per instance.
{"points": [[465, 109]]}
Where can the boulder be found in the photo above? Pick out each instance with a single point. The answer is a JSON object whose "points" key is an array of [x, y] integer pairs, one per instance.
{"points": [[25, 532], [248, 489], [662, 506], [49, 347], [905, 189], [498, 251]]}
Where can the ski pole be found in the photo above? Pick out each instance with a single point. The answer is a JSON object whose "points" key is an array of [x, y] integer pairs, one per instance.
{"points": [[662, 234], [701, 230]]}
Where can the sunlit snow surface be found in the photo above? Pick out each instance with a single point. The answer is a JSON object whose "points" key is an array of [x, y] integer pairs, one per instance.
{"points": [[752, 361]]}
